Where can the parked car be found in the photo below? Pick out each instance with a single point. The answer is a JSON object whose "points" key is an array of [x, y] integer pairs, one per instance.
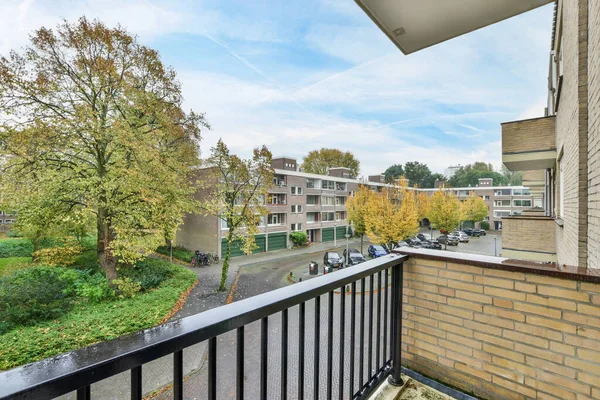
{"points": [[332, 259], [482, 232], [354, 257], [472, 232], [449, 240], [376, 250], [462, 237], [424, 236], [431, 244], [402, 243], [414, 242], [468, 231]]}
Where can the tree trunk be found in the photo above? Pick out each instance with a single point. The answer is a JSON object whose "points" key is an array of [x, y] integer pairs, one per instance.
{"points": [[226, 261], [106, 259], [361, 243]]}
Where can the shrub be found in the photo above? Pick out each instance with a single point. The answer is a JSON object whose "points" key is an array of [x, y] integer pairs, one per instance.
{"points": [[180, 253], [36, 294], [93, 286], [149, 273], [484, 225], [63, 256], [299, 238], [15, 248], [13, 233], [127, 287]]}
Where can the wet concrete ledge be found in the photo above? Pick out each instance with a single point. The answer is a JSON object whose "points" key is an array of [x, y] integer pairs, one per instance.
{"points": [[506, 264]]}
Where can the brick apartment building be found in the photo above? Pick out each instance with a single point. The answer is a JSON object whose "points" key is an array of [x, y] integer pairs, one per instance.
{"points": [[316, 204], [560, 151]]}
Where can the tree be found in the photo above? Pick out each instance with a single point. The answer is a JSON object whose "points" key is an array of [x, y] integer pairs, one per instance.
{"points": [[389, 219], [416, 173], [469, 175], [422, 205], [236, 194], [319, 161], [393, 172], [93, 120], [515, 178], [356, 207], [429, 181], [473, 209], [444, 211]]}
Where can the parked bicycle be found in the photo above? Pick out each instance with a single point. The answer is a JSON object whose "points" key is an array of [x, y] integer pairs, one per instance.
{"points": [[200, 259]]}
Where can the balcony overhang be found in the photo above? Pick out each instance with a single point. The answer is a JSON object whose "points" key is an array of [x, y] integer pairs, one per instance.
{"points": [[534, 178], [529, 144], [413, 25]]}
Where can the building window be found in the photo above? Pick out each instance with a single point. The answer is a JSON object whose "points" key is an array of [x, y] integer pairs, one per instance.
{"points": [[485, 197], [275, 219], [328, 185], [340, 186], [311, 217], [501, 213], [223, 224], [502, 203], [340, 201], [327, 216], [312, 200], [522, 203], [296, 209], [327, 201], [503, 192], [561, 178], [340, 215]]}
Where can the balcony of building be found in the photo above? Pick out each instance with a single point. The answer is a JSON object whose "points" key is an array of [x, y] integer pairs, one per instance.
{"points": [[277, 202], [529, 144], [487, 326], [529, 236]]}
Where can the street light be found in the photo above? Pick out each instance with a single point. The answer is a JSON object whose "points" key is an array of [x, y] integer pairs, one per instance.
{"points": [[495, 247], [347, 236]]}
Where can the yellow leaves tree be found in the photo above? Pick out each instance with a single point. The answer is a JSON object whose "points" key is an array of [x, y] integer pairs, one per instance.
{"points": [[356, 207], [422, 205], [444, 211], [388, 220], [473, 209]]}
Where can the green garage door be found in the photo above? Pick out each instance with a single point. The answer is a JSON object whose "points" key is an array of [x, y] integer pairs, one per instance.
{"points": [[236, 246], [340, 233], [327, 234], [277, 241]]}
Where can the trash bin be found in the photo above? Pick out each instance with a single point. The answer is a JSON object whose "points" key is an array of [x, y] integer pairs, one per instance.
{"points": [[327, 269], [313, 268]]}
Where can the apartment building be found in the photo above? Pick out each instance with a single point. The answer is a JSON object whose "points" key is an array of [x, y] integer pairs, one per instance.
{"points": [[316, 204], [559, 152]]}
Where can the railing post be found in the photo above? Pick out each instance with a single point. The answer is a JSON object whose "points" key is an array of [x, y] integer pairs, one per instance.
{"points": [[396, 328]]}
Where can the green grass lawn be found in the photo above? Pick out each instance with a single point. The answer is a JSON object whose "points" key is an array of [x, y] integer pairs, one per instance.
{"points": [[89, 323], [12, 264]]}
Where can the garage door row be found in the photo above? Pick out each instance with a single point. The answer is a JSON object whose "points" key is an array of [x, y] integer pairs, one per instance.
{"points": [[327, 234], [277, 241]]}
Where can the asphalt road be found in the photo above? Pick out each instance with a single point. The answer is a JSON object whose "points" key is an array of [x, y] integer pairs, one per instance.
{"points": [[254, 280]]}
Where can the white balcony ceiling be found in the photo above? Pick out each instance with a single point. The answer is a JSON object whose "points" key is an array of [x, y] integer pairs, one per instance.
{"points": [[416, 24]]}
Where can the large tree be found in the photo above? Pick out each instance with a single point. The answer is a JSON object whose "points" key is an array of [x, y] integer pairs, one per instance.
{"points": [[515, 178], [319, 161], [391, 217], [473, 209], [469, 175], [94, 121], [416, 173], [393, 172], [429, 181], [237, 190], [356, 206], [444, 211]]}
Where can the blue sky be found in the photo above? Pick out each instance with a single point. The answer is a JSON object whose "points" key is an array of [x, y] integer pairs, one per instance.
{"points": [[300, 75]]}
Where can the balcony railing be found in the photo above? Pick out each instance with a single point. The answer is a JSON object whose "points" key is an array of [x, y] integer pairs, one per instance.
{"points": [[79, 369]]}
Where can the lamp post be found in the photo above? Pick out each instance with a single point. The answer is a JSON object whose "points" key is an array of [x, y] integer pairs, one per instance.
{"points": [[347, 236], [495, 247]]}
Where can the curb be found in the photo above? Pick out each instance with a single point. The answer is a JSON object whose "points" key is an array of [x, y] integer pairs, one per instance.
{"points": [[179, 303]]}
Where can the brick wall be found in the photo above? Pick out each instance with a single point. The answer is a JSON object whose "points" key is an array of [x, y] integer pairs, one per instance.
{"points": [[567, 137], [528, 233], [594, 135], [528, 135], [502, 335]]}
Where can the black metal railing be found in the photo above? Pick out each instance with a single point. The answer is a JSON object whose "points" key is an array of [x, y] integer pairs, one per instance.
{"points": [[79, 369]]}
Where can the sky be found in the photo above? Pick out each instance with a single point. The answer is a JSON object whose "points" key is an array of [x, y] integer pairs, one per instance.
{"points": [[298, 75]]}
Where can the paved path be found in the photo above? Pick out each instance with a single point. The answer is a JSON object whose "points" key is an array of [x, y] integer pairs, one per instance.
{"points": [[273, 265]]}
